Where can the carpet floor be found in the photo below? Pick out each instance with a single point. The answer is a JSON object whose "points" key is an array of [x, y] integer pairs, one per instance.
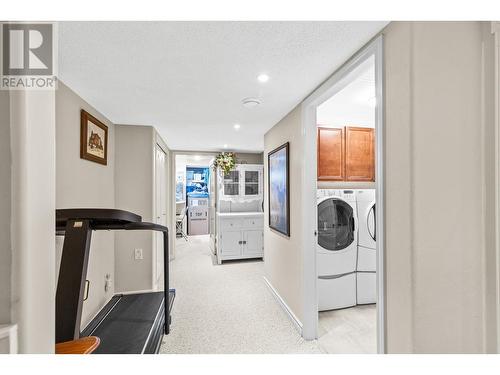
{"points": [[226, 308]]}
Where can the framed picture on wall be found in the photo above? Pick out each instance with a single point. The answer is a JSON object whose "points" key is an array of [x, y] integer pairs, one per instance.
{"points": [[279, 189], [93, 139]]}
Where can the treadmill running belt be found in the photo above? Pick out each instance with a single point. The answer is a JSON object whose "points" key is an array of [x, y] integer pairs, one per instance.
{"points": [[129, 326]]}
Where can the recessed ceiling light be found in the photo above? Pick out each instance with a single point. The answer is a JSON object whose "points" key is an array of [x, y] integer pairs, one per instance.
{"points": [[236, 126], [225, 145], [250, 102], [263, 78]]}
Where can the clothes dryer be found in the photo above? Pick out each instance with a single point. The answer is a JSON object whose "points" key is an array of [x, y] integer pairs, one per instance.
{"points": [[367, 247]]}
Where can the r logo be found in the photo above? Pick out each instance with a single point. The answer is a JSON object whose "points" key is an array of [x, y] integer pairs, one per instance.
{"points": [[27, 49]]}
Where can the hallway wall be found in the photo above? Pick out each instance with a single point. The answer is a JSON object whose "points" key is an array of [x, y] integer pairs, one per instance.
{"points": [[82, 183], [134, 187], [283, 255], [438, 155]]}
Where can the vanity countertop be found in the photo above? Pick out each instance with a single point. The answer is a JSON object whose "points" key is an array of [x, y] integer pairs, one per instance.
{"points": [[238, 214]]}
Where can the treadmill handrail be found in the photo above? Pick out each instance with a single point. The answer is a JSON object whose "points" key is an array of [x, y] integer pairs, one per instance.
{"points": [[113, 219], [143, 225]]}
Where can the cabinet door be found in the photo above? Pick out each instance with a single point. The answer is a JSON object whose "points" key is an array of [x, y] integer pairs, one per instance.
{"points": [[251, 182], [360, 154], [253, 242], [231, 183], [230, 243], [330, 154]]}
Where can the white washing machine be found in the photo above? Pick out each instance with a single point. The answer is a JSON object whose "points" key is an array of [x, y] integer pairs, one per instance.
{"points": [[336, 249], [367, 247]]}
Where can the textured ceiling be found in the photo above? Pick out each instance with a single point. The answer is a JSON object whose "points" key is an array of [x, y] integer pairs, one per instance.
{"points": [[188, 78]]}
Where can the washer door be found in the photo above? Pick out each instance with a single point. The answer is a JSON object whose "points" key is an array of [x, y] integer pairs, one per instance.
{"points": [[335, 224]]}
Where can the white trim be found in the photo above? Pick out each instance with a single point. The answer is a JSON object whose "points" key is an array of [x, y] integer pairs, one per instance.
{"points": [[380, 193], [495, 29], [293, 318], [172, 174], [330, 87], [9, 331], [158, 143]]}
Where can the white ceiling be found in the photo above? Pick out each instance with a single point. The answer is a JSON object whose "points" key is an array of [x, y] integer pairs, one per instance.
{"points": [[354, 104], [188, 78]]}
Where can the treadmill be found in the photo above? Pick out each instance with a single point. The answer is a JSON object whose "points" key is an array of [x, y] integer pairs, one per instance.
{"points": [[129, 323]]}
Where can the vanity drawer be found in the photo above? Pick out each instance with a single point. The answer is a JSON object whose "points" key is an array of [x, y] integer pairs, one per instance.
{"points": [[254, 223], [231, 224]]}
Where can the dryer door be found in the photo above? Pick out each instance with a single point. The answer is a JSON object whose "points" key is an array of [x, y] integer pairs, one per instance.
{"points": [[335, 224], [371, 223]]}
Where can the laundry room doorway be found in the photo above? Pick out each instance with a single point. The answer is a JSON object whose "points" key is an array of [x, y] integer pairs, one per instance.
{"points": [[344, 252]]}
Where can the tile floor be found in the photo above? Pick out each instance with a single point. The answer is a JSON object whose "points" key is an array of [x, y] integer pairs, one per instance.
{"points": [[351, 330]]}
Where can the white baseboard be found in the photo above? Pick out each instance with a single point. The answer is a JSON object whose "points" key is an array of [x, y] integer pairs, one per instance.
{"points": [[293, 318]]}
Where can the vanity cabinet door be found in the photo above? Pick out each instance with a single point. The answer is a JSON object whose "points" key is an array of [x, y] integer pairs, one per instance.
{"points": [[253, 243], [231, 243], [360, 154], [330, 154]]}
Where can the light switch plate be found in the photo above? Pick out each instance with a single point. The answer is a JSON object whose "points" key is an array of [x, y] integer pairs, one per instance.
{"points": [[138, 254]]}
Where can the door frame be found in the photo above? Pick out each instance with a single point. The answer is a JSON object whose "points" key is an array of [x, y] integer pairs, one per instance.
{"points": [[171, 198], [495, 29], [159, 144], [330, 87]]}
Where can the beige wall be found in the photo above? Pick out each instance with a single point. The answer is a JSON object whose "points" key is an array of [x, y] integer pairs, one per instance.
{"points": [[82, 183], [5, 202], [283, 255], [134, 189], [439, 191], [248, 158], [438, 157]]}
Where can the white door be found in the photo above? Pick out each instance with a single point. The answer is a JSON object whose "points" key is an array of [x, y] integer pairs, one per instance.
{"points": [[161, 214], [253, 242], [230, 243]]}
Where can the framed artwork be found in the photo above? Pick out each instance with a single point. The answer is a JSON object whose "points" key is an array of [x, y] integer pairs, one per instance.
{"points": [[279, 189], [93, 139]]}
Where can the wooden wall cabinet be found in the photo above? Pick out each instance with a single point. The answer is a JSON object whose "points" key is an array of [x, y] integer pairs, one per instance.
{"points": [[331, 153], [346, 154], [360, 154]]}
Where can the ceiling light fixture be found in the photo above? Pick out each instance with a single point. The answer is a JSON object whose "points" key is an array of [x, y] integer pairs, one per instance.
{"points": [[225, 145], [236, 126], [250, 102], [263, 78]]}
